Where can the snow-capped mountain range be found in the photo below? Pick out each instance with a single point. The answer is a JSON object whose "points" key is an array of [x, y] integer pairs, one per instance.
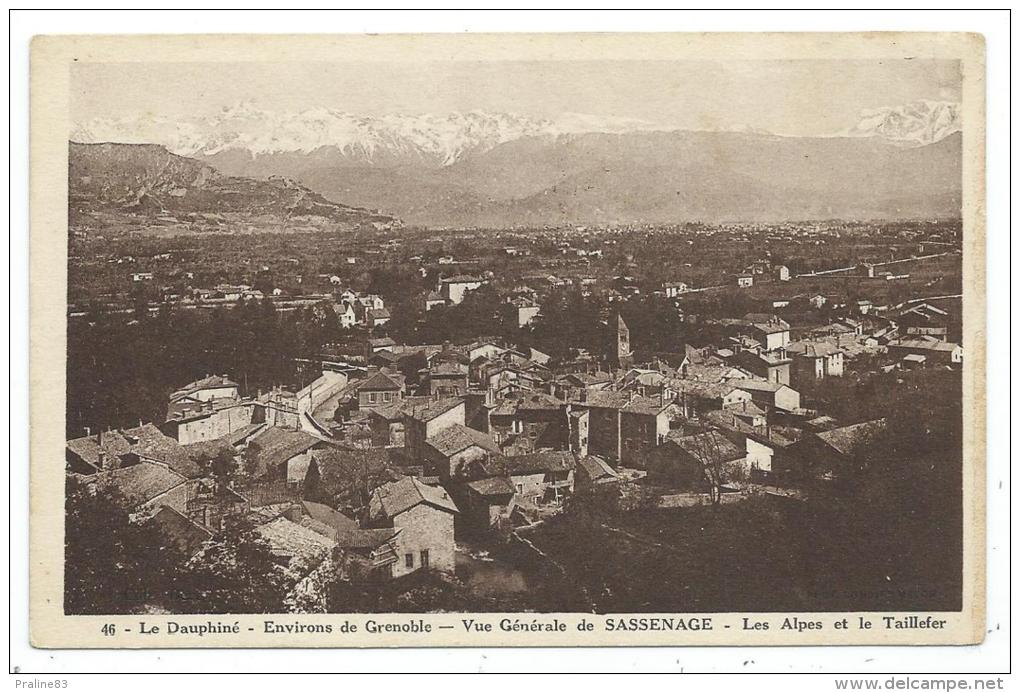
{"points": [[442, 139], [918, 123], [433, 139]]}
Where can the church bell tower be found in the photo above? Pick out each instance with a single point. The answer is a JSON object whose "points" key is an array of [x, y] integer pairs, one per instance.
{"points": [[624, 356]]}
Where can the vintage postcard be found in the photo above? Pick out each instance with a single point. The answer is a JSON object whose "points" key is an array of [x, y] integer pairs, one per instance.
{"points": [[507, 340]]}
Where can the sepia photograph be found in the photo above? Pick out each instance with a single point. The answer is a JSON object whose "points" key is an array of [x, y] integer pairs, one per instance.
{"points": [[514, 337], [645, 337]]}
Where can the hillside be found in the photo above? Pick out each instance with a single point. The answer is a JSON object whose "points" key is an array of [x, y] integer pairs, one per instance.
{"points": [[661, 177], [148, 180], [498, 169]]}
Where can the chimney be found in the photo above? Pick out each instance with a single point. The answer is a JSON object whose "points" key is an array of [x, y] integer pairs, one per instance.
{"points": [[99, 436]]}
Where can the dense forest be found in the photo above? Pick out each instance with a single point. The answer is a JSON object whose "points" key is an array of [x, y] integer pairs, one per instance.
{"points": [[121, 371]]}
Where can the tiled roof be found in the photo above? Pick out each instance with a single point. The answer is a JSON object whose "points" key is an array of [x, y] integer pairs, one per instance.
{"points": [[596, 468], [395, 497], [267, 513], [185, 534], [823, 422], [89, 448], [146, 441], [455, 438], [381, 382], [365, 538], [608, 400], [746, 408], [493, 486], [426, 411], [385, 355], [389, 412], [238, 436], [328, 516], [505, 407], [528, 401], [320, 528], [752, 384], [705, 390], [278, 445], [539, 400], [531, 463], [648, 406], [767, 322], [292, 540], [750, 361], [710, 447], [924, 344], [848, 440], [140, 482], [812, 349], [208, 449], [209, 383], [596, 378], [769, 435], [707, 372]]}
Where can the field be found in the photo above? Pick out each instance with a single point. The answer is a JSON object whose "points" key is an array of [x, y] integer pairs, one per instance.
{"points": [[300, 260]]}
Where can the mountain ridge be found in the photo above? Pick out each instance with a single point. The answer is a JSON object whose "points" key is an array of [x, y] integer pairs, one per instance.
{"points": [[437, 139], [658, 177], [148, 179], [484, 169], [917, 123]]}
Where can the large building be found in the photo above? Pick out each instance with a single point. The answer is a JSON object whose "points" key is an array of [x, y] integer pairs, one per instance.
{"points": [[454, 289], [622, 426]]}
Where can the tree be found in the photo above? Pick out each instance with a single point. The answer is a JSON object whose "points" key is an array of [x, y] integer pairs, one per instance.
{"points": [[480, 313], [235, 573], [708, 449], [569, 321], [250, 459], [111, 564], [221, 466]]}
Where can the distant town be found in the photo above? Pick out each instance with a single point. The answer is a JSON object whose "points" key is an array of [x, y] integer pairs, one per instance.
{"points": [[607, 418]]}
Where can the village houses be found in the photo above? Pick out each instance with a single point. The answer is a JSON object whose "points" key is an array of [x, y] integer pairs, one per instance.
{"points": [[424, 516]]}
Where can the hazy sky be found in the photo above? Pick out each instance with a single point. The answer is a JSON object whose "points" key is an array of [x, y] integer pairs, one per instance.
{"points": [[786, 97]]}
